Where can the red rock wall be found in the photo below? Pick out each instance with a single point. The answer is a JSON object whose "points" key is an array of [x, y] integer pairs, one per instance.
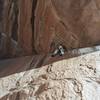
{"points": [[17, 26], [72, 23], [25, 25], [39, 25]]}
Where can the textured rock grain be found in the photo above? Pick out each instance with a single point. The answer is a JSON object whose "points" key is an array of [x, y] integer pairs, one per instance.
{"points": [[16, 24], [72, 23], [73, 79]]}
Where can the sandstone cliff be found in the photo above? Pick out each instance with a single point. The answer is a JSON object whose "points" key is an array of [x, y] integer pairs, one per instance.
{"points": [[30, 23], [32, 29], [17, 27], [72, 23]]}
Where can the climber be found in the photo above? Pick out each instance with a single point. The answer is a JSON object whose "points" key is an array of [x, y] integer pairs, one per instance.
{"points": [[59, 51]]}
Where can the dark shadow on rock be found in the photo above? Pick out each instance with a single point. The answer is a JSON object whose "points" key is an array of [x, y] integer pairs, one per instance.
{"points": [[21, 64]]}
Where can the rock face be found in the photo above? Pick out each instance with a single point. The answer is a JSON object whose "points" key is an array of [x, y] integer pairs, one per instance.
{"points": [[30, 23], [72, 23], [37, 27], [73, 79], [17, 27]]}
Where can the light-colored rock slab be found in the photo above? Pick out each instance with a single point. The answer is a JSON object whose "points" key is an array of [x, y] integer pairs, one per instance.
{"points": [[69, 79]]}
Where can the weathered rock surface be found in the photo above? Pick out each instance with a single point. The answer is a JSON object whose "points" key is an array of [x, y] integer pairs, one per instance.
{"points": [[72, 23], [39, 25], [16, 21], [19, 64], [69, 79]]}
